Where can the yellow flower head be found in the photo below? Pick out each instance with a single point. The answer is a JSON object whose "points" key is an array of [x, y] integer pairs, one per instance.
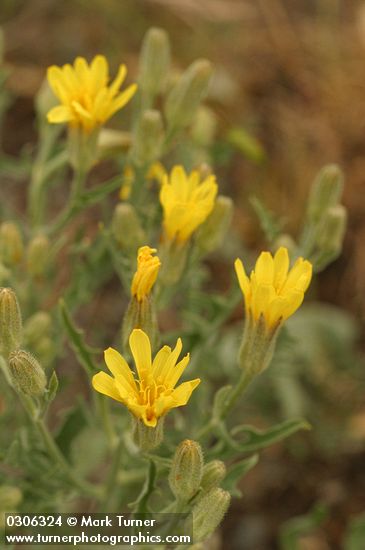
{"points": [[272, 290], [86, 99], [147, 270], [153, 394], [186, 202]]}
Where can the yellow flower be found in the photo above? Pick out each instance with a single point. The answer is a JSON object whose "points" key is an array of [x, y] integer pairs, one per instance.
{"points": [[86, 99], [147, 270], [273, 291], [186, 202], [153, 394]]}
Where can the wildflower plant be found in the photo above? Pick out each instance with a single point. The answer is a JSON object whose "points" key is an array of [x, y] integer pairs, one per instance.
{"points": [[161, 427]]}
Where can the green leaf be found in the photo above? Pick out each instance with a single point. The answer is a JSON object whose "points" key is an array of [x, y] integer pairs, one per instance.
{"points": [[83, 352], [292, 530], [254, 439], [270, 224], [95, 195], [236, 473], [259, 439], [140, 505], [247, 144], [73, 424]]}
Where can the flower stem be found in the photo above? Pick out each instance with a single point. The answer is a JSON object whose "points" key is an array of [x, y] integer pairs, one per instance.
{"points": [[72, 206], [112, 481], [237, 391]]}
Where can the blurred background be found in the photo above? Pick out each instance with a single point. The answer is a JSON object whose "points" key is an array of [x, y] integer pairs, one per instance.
{"points": [[288, 95]]}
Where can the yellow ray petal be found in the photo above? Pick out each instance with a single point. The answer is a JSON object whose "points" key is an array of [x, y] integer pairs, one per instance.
{"points": [[170, 362], [60, 114], [281, 266], [264, 269], [160, 360], [118, 81], [119, 367], [141, 351], [261, 298], [243, 280], [175, 373], [122, 99], [105, 384], [182, 393]]}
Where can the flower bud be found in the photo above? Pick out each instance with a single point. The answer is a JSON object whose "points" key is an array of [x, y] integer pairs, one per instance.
{"points": [[325, 192], [10, 321], [10, 497], [204, 126], [45, 100], [38, 255], [36, 327], [209, 512], [82, 147], [330, 236], [174, 256], [185, 96], [147, 138], [211, 233], [285, 240], [141, 314], [11, 244], [126, 228], [213, 473], [147, 438], [45, 350], [154, 62], [26, 373], [186, 470], [258, 345]]}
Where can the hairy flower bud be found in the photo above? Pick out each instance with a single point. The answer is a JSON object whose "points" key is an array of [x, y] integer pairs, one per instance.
{"points": [[209, 512], [186, 471], [36, 327], [147, 138], [211, 233], [185, 96], [38, 255], [325, 192], [11, 244], [10, 321], [213, 473], [204, 126], [26, 373], [330, 236], [154, 62], [146, 437], [44, 100], [141, 314], [333, 230], [126, 227]]}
